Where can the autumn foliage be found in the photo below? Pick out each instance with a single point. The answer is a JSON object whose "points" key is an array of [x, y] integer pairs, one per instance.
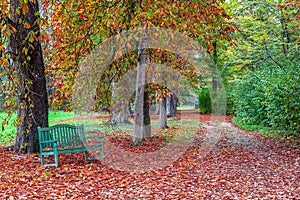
{"points": [[77, 27]]}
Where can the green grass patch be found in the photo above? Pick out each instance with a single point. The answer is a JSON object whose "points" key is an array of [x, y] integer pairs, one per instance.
{"points": [[261, 129], [186, 107], [186, 127], [60, 115], [7, 135]]}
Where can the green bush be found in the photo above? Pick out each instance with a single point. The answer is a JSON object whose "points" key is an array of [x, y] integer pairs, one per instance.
{"points": [[204, 100], [231, 96], [270, 97]]}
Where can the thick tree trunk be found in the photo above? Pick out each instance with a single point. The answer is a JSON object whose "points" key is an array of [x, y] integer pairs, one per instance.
{"points": [[163, 114], [171, 106], [141, 128], [157, 108], [32, 99]]}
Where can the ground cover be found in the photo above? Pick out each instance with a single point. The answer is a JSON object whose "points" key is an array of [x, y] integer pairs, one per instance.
{"points": [[220, 161]]}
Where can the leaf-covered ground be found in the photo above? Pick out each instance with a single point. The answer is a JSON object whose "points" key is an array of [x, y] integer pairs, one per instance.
{"points": [[220, 162]]}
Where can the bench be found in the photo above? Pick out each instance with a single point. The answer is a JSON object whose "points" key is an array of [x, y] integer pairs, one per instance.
{"points": [[66, 138]]}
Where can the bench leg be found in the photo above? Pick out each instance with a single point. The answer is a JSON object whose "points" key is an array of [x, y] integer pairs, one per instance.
{"points": [[101, 151], [55, 164], [56, 159], [86, 155], [42, 160]]}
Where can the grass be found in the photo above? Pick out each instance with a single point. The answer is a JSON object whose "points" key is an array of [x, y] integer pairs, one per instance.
{"points": [[8, 135], [250, 127], [186, 107], [59, 115]]}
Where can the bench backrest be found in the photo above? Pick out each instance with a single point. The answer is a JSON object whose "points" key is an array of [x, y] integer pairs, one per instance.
{"points": [[64, 134]]}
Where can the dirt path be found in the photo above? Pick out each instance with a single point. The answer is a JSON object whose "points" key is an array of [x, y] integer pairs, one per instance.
{"points": [[215, 128]]}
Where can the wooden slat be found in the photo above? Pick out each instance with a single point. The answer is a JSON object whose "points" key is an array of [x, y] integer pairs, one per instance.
{"points": [[69, 139]]}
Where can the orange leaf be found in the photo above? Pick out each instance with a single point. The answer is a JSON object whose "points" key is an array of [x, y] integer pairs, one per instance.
{"points": [[210, 47]]}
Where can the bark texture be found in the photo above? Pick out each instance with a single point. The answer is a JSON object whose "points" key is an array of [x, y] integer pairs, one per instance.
{"points": [[163, 114], [171, 106], [141, 128], [27, 55]]}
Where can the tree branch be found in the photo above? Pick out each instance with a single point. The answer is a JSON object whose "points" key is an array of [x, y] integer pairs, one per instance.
{"points": [[267, 51]]}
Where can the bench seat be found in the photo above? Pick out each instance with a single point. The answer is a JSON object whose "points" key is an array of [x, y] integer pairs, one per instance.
{"points": [[66, 138]]}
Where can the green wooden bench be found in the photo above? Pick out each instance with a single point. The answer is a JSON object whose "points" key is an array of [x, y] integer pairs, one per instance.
{"points": [[66, 138]]}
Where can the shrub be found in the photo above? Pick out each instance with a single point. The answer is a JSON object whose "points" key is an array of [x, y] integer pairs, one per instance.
{"points": [[204, 100], [231, 96], [270, 97]]}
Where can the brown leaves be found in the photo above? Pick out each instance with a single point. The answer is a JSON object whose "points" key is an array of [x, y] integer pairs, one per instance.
{"points": [[152, 144], [241, 165]]}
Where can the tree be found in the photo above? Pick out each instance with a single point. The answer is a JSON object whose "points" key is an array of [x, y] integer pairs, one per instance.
{"points": [[79, 26], [264, 65], [163, 114], [119, 110], [171, 105], [141, 125], [26, 72], [268, 33]]}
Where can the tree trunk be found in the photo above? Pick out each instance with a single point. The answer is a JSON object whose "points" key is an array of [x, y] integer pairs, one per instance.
{"points": [[129, 110], [214, 77], [163, 114], [147, 120], [171, 106], [32, 99], [157, 108], [119, 112], [172, 101], [285, 37], [140, 127]]}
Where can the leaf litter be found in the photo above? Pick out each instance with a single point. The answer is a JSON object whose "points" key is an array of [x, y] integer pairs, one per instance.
{"points": [[222, 161]]}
